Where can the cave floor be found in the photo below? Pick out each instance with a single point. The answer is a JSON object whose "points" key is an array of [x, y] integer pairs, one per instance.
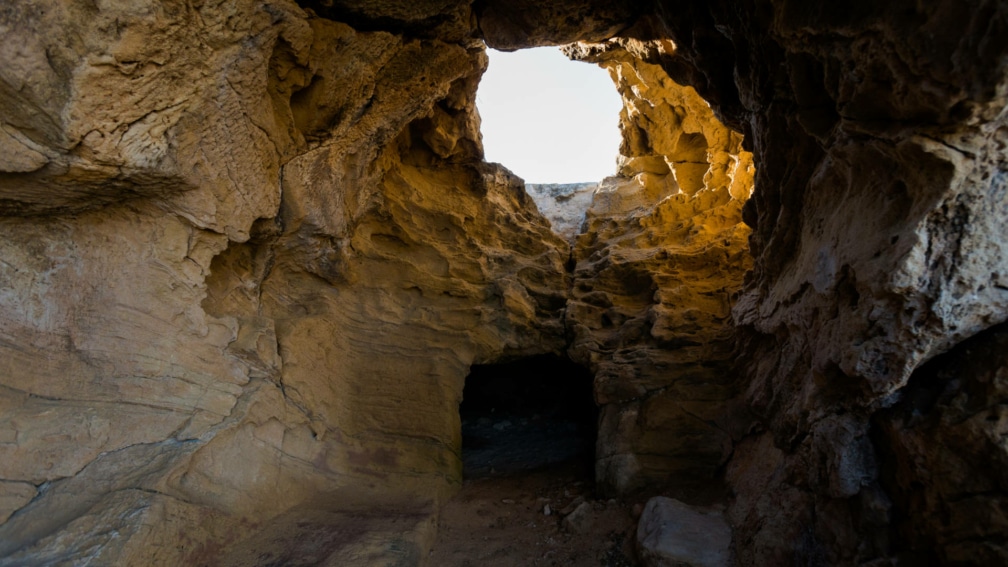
{"points": [[500, 520]]}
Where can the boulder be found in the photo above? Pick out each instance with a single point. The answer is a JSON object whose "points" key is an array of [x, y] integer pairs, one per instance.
{"points": [[673, 534]]}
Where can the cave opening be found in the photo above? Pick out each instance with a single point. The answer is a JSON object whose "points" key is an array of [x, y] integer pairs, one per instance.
{"points": [[549, 119], [526, 415]]}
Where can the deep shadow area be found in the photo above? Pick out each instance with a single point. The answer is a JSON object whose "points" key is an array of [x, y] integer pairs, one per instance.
{"points": [[527, 414]]}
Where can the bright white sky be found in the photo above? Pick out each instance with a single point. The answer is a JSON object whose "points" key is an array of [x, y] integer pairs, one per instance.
{"points": [[547, 118]]}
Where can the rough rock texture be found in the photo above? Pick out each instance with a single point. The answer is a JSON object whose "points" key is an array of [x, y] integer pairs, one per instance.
{"points": [[673, 534], [249, 250], [526, 23], [878, 218], [172, 365], [564, 204], [193, 108], [661, 256], [943, 460]]}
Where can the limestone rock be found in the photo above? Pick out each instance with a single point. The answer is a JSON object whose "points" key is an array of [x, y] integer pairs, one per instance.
{"points": [[876, 205], [13, 497], [18, 155], [660, 259], [174, 366], [563, 204], [527, 23], [352, 532], [673, 534], [944, 466], [143, 100], [580, 519], [441, 19]]}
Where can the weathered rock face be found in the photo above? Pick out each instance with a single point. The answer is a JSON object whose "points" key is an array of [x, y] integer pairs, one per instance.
{"points": [[564, 204], [193, 108], [527, 23], [661, 256], [878, 219], [942, 459], [172, 361], [248, 252]]}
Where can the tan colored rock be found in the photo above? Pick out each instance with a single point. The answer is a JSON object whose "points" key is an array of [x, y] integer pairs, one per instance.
{"points": [[18, 155], [13, 497], [661, 257], [188, 117], [174, 371]]}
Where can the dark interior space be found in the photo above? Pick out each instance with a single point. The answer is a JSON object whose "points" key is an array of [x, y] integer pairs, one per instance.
{"points": [[526, 415]]}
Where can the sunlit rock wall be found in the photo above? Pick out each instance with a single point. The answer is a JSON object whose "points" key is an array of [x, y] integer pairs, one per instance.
{"points": [[247, 257], [658, 265]]}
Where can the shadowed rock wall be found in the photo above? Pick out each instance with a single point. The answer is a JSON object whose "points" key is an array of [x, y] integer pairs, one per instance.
{"points": [[878, 234], [269, 255], [878, 216]]}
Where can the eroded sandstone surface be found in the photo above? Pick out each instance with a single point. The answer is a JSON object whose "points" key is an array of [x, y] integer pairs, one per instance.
{"points": [[191, 355], [249, 251], [661, 256]]}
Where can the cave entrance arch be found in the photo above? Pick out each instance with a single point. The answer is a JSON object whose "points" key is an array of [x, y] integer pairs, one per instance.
{"points": [[528, 414]]}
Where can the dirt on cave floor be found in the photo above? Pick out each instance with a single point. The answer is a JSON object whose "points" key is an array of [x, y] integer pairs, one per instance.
{"points": [[528, 495], [548, 516], [500, 520], [529, 498]]}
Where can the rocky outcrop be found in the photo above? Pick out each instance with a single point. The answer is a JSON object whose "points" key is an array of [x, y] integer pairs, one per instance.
{"points": [[272, 254], [661, 257], [526, 23], [673, 534], [564, 204], [877, 214], [941, 458]]}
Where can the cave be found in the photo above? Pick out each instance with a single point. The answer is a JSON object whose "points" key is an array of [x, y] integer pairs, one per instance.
{"points": [[527, 414], [250, 252]]}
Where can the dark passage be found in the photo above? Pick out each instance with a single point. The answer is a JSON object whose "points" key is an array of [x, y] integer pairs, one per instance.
{"points": [[527, 414]]}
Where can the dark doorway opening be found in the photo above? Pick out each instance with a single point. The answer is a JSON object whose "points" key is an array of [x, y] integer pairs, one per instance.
{"points": [[528, 414]]}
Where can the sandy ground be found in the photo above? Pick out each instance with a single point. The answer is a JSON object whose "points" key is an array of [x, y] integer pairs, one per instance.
{"points": [[502, 520], [528, 497]]}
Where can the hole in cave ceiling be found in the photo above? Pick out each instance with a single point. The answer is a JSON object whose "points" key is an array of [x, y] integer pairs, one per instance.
{"points": [[527, 414], [547, 118]]}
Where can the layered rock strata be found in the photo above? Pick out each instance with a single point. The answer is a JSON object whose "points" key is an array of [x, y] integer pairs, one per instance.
{"points": [[261, 282]]}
